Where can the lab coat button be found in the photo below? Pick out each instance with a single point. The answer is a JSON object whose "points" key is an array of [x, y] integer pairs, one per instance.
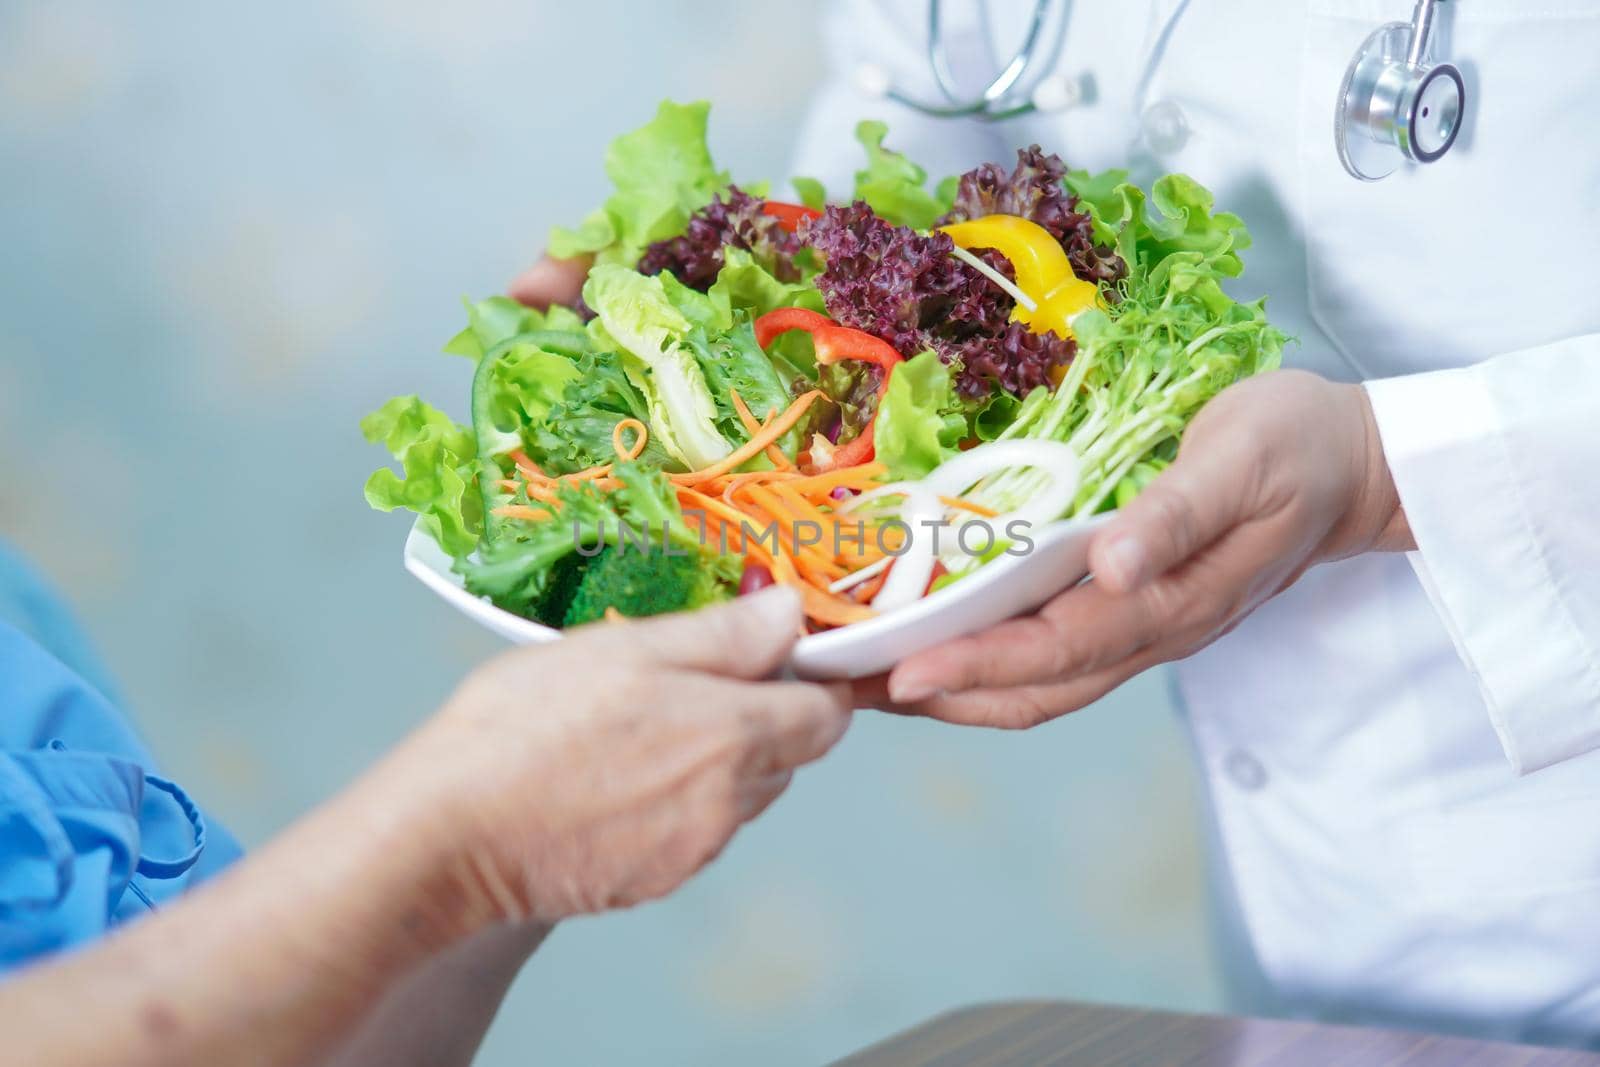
{"points": [[1165, 127], [1244, 770]]}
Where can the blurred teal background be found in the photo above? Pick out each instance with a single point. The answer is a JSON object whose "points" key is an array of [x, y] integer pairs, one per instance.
{"points": [[226, 232]]}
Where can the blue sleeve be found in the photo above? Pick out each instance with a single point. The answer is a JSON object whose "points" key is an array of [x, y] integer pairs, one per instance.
{"points": [[29, 603], [90, 835]]}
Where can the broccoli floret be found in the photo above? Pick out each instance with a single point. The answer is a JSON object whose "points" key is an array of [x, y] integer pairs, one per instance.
{"points": [[560, 587], [638, 583]]}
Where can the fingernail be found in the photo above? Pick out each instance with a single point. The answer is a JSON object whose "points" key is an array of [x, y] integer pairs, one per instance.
{"points": [[1122, 562], [910, 690]]}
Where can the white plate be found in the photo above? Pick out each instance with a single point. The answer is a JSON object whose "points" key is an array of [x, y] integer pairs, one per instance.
{"points": [[1003, 588]]}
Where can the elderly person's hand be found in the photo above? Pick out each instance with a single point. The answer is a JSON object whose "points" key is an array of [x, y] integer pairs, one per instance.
{"points": [[592, 773], [606, 769], [1275, 475]]}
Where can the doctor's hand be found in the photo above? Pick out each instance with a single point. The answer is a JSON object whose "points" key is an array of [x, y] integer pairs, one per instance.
{"points": [[549, 281], [1278, 473], [605, 769]]}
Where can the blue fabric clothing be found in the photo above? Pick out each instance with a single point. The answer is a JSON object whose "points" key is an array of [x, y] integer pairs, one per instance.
{"points": [[90, 835]]}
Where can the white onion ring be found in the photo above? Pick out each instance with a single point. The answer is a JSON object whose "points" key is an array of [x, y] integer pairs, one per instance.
{"points": [[1057, 461], [909, 575]]}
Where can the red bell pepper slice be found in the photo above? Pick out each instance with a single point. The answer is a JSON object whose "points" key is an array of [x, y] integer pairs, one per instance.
{"points": [[789, 216], [824, 456], [834, 344], [783, 320]]}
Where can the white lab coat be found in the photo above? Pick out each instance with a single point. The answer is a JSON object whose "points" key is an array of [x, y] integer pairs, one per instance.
{"points": [[1400, 752]]}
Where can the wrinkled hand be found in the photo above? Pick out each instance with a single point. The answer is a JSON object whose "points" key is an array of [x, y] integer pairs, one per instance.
{"points": [[1278, 473], [607, 768]]}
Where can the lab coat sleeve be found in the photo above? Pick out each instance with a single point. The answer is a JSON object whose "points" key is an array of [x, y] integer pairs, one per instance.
{"points": [[890, 35], [1498, 468]]}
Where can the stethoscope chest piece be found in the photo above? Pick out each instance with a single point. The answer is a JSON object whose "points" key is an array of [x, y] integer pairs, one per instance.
{"points": [[1393, 105]]}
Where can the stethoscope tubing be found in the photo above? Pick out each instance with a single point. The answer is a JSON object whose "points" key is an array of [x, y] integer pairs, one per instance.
{"points": [[998, 99]]}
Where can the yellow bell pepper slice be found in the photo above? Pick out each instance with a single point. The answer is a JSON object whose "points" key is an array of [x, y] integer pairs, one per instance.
{"points": [[1043, 271]]}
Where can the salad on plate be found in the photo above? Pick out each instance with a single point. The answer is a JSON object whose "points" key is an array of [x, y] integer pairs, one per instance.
{"points": [[867, 396]]}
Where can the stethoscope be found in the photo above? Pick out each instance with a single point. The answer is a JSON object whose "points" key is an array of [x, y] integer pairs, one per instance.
{"points": [[1394, 104]]}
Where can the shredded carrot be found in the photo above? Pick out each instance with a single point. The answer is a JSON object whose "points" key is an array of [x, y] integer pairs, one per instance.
{"points": [[783, 569], [752, 513], [862, 477], [752, 424], [528, 466], [782, 521], [723, 536], [869, 588], [713, 530], [802, 507], [739, 481], [522, 511], [712, 505], [764, 498], [830, 609], [613, 615], [967, 505], [816, 572], [733, 510], [590, 474], [832, 544], [770, 432], [743, 523], [745, 529], [872, 551], [759, 552], [641, 437]]}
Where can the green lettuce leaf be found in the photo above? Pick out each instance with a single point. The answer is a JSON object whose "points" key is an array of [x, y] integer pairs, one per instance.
{"points": [[576, 433], [516, 384], [499, 318], [733, 362], [724, 344], [893, 186], [744, 285], [991, 416], [647, 500], [565, 414], [662, 173], [811, 192], [1177, 217], [439, 459], [634, 313], [920, 421], [1099, 195]]}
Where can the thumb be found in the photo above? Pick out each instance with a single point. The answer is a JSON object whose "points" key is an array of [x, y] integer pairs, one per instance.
{"points": [[749, 637], [1187, 507]]}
